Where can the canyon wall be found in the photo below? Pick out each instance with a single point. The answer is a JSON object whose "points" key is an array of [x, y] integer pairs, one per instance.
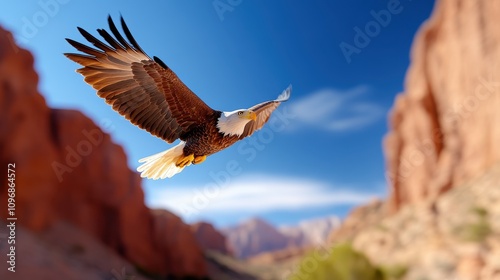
{"points": [[444, 128], [68, 169], [441, 219]]}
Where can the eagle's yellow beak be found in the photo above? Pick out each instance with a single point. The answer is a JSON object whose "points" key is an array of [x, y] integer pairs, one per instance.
{"points": [[251, 115]]}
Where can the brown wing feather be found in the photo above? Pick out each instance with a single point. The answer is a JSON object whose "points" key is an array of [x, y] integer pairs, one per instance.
{"points": [[144, 90], [263, 112]]}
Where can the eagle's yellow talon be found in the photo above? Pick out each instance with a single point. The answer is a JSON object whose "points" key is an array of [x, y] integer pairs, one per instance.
{"points": [[199, 159], [183, 161]]}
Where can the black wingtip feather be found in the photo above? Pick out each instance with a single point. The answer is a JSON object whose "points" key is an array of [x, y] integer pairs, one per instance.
{"points": [[115, 42], [82, 31], [159, 61], [83, 48], [96, 42], [117, 34], [129, 35], [112, 41]]}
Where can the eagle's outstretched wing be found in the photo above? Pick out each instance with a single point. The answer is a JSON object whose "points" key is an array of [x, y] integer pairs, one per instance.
{"points": [[143, 90], [263, 112]]}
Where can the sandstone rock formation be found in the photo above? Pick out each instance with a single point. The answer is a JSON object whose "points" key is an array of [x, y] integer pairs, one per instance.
{"points": [[443, 158], [444, 127], [209, 238], [456, 237], [69, 169], [64, 252]]}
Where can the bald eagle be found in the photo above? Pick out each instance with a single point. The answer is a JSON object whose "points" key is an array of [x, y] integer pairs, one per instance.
{"points": [[150, 95]]}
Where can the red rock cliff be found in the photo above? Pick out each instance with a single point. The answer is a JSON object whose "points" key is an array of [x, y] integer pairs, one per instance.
{"points": [[443, 154], [69, 169], [210, 238], [445, 126]]}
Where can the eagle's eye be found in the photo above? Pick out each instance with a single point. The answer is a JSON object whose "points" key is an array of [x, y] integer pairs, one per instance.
{"points": [[240, 113]]}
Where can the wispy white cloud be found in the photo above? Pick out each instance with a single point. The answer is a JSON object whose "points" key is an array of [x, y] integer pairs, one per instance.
{"points": [[334, 110], [256, 194]]}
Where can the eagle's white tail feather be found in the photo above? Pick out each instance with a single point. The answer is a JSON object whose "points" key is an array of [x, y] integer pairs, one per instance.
{"points": [[162, 165]]}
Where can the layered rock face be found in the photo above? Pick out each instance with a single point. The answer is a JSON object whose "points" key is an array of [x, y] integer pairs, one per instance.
{"points": [[68, 169], [210, 238], [441, 220], [445, 126]]}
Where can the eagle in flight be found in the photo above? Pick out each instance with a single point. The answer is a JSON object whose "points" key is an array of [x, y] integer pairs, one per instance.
{"points": [[150, 95]]}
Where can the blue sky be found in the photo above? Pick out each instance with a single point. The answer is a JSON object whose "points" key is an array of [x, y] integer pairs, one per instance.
{"points": [[321, 155]]}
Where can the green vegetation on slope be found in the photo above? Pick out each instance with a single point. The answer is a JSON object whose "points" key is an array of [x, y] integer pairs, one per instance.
{"points": [[342, 263], [478, 230]]}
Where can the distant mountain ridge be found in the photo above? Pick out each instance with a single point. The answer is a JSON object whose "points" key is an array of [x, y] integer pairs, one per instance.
{"points": [[311, 232], [253, 237], [256, 236]]}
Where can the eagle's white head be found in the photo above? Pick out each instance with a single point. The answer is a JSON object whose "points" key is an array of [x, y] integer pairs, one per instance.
{"points": [[233, 123]]}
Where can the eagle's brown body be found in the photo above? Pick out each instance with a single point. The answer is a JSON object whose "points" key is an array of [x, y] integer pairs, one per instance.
{"points": [[150, 95], [206, 139]]}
